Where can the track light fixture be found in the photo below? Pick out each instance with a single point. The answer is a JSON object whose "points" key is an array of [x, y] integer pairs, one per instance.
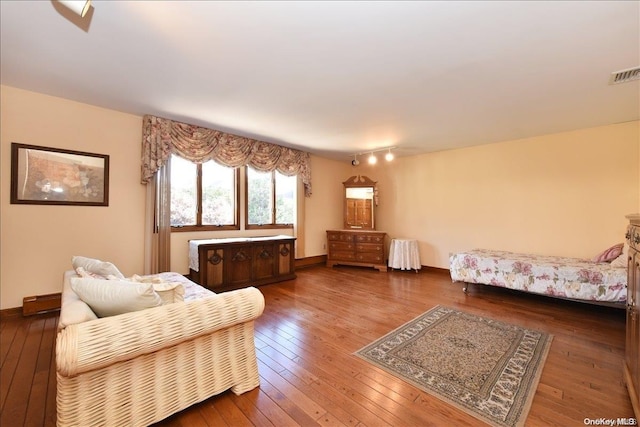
{"points": [[79, 7], [389, 156], [371, 158]]}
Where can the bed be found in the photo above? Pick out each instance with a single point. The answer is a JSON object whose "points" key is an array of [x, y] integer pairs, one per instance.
{"points": [[561, 277]]}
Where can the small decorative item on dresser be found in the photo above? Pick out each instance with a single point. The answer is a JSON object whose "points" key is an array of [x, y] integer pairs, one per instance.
{"points": [[632, 351]]}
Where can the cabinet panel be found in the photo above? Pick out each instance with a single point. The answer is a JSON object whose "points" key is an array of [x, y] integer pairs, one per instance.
{"points": [[215, 271], [285, 258], [238, 265], [264, 261]]}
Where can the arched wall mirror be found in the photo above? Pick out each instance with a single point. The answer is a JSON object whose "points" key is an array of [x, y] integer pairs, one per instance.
{"points": [[360, 200]]}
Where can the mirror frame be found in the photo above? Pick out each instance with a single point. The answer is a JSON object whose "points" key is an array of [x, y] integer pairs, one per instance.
{"points": [[358, 181]]}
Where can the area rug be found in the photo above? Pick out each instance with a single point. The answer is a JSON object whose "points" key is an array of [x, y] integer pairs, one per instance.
{"points": [[488, 369]]}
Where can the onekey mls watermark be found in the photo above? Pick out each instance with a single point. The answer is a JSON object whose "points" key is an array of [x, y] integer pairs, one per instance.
{"points": [[610, 422]]}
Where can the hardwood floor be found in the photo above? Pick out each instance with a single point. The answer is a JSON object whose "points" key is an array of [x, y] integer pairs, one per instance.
{"points": [[305, 340]]}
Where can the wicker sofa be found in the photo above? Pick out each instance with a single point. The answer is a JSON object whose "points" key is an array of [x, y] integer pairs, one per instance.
{"points": [[140, 367]]}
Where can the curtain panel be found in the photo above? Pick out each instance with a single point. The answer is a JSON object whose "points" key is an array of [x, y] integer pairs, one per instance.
{"points": [[162, 137]]}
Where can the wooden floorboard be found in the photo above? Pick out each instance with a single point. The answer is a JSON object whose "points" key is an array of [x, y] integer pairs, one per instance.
{"points": [[305, 342]]}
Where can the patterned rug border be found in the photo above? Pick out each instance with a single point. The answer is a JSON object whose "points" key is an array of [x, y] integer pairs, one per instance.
{"points": [[540, 358]]}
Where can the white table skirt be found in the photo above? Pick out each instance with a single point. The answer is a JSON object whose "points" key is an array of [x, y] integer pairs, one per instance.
{"points": [[404, 254]]}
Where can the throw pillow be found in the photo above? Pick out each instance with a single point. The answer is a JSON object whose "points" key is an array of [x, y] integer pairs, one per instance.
{"points": [[169, 292], [110, 298], [621, 260], [608, 254], [92, 265]]}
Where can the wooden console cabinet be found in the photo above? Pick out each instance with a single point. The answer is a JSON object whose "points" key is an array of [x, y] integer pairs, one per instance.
{"points": [[363, 248], [632, 350], [225, 264]]}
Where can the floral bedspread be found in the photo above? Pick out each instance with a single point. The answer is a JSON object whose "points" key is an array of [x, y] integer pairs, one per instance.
{"points": [[547, 275]]}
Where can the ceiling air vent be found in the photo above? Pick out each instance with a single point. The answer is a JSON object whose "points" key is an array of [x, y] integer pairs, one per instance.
{"points": [[624, 76]]}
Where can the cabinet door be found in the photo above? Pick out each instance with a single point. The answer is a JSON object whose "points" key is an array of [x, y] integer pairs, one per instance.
{"points": [[237, 264], [264, 261], [285, 259], [214, 268]]}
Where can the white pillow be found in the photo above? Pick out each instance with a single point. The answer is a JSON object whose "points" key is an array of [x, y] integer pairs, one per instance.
{"points": [[112, 297], [621, 261], [92, 265]]}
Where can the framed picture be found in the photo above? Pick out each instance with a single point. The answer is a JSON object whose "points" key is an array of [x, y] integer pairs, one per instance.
{"points": [[52, 176]]}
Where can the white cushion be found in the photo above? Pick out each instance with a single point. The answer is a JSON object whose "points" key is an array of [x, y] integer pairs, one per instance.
{"points": [[92, 265], [112, 297]]}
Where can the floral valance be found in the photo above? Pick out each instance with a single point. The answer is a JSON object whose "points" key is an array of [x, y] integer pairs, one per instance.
{"points": [[162, 137]]}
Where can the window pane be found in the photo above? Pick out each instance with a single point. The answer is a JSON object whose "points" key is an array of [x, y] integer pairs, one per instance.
{"points": [[259, 192], [285, 198], [183, 192], [218, 194]]}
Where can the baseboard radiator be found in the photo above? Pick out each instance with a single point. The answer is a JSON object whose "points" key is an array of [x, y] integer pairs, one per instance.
{"points": [[40, 303]]}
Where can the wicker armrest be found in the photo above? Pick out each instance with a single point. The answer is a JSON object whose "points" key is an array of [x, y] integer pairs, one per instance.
{"points": [[95, 344]]}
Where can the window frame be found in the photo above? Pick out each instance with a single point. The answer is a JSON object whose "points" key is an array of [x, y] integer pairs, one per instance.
{"points": [[208, 227], [248, 226]]}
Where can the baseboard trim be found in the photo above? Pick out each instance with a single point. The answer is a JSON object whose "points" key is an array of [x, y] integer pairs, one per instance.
{"points": [[436, 269], [311, 261]]}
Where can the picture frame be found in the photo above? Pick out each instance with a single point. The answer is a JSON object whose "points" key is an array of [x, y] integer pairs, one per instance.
{"points": [[53, 176]]}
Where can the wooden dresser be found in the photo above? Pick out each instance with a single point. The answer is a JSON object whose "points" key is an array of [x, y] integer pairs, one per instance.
{"points": [[632, 349], [225, 264], [365, 248]]}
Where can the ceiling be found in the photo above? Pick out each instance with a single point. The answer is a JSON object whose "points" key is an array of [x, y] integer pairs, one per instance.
{"points": [[337, 78]]}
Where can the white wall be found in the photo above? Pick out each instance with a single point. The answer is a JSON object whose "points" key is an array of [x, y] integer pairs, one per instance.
{"points": [[564, 194], [39, 241]]}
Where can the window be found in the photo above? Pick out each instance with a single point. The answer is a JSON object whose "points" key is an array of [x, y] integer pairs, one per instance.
{"points": [[203, 196], [271, 199]]}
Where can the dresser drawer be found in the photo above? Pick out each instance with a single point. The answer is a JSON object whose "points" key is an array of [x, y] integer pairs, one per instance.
{"points": [[370, 257], [342, 256], [370, 238], [370, 247], [341, 246], [339, 237]]}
